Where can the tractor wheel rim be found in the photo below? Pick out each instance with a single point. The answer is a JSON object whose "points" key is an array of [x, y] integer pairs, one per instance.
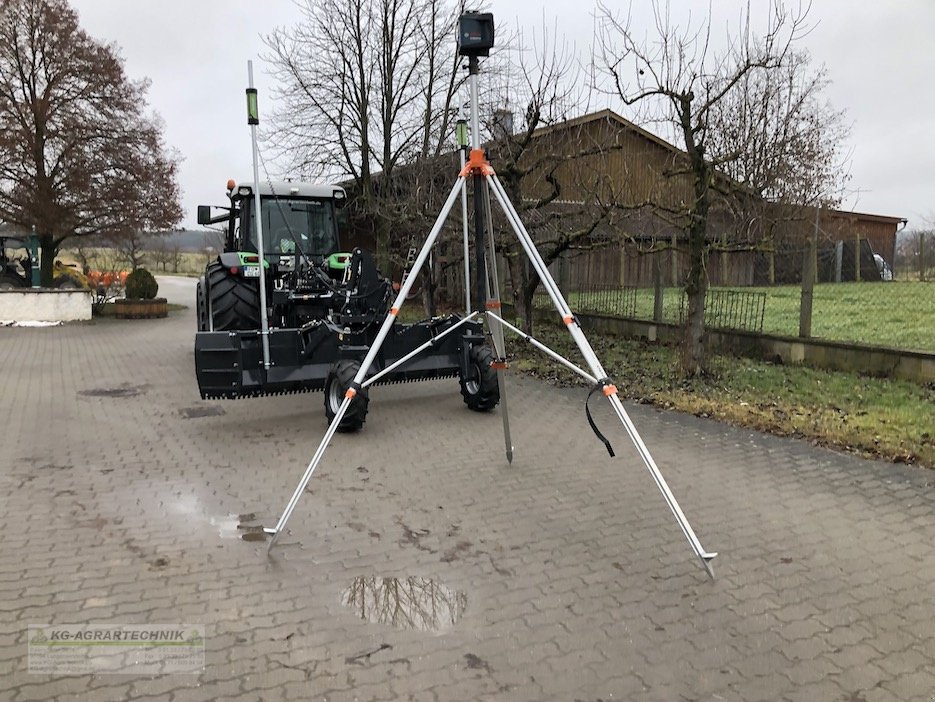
{"points": [[472, 384], [335, 397]]}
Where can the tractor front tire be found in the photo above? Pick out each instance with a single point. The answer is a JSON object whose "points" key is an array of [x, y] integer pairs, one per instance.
{"points": [[479, 386], [234, 302], [340, 377]]}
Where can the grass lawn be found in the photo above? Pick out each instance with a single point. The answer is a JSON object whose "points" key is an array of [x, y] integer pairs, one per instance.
{"points": [[896, 314], [890, 419]]}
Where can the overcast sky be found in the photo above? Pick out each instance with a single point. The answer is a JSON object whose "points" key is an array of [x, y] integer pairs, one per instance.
{"points": [[880, 57]]}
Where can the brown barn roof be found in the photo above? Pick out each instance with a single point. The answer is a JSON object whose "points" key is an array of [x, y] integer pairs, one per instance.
{"points": [[611, 116], [883, 219]]}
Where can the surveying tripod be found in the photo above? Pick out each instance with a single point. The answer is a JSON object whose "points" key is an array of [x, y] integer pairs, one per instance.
{"points": [[475, 38]]}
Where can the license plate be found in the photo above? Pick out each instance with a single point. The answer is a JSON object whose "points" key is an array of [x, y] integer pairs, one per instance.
{"points": [[251, 272]]}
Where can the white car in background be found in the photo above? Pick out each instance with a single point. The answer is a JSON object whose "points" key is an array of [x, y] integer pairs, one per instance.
{"points": [[886, 273]]}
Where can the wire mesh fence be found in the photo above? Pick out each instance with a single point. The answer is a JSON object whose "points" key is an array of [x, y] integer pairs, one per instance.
{"points": [[853, 296]]}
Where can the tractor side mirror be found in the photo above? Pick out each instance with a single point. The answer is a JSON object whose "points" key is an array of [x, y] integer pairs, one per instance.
{"points": [[204, 214]]}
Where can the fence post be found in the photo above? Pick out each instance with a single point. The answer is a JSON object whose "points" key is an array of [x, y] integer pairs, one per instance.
{"points": [[838, 260], [809, 273], [921, 257], [857, 259], [722, 255], [657, 286], [675, 262]]}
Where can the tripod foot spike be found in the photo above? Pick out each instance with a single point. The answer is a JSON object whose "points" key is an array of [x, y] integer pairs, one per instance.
{"points": [[509, 456], [706, 559], [272, 541]]}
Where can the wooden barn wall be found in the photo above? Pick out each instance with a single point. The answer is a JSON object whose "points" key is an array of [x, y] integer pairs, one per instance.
{"points": [[794, 231], [627, 167], [881, 235]]}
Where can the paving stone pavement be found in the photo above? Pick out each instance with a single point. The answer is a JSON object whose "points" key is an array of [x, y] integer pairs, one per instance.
{"points": [[560, 577]]}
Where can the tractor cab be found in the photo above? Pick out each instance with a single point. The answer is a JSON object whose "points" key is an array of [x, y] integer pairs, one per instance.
{"points": [[298, 219], [300, 234], [301, 252], [291, 227]]}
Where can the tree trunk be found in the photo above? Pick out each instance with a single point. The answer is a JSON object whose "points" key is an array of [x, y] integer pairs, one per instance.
{"points": [[47, 251], [428, 288], [696, 288], [519, 281], [529, 290], [382, 254]]}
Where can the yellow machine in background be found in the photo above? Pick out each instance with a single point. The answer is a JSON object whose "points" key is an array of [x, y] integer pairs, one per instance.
{"points": [[69, 277], [22, 271]]}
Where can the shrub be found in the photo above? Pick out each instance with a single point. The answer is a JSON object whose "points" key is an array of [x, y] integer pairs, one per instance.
{"points": [[141, 284]]}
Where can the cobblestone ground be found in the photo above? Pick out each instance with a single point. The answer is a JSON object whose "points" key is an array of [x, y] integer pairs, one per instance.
{"points": [[560, 577]]}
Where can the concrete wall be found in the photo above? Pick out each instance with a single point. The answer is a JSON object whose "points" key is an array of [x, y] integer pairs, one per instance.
{"points": [[833, 355], [45, 305]]}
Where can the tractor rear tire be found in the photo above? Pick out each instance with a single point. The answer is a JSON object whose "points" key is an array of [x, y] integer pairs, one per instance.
{"points": [[201, 305], [234, 302], [340, 377], [479, 386]]}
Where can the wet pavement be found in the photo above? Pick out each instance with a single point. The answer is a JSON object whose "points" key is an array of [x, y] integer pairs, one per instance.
{"points": [[419, 564]]}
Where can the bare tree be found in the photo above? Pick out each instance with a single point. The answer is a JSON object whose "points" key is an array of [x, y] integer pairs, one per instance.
{"points": [[915, 252], [212, 244], [78, 156], [778, 134], [130, 246], [526, 88], [539, 84], [364, 86], [164, 252], [779, 137], [677, 78]]}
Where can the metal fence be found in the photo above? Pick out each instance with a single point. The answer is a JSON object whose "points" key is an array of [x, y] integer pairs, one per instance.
{"points": [[823, 289]]}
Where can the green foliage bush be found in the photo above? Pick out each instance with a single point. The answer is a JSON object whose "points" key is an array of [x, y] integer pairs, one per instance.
{"points": [[141, 284]]}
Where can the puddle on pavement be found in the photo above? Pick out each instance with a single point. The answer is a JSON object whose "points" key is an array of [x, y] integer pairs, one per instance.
{"points": [[122, 391], [196, 412], [418, 604], [232, 527]]}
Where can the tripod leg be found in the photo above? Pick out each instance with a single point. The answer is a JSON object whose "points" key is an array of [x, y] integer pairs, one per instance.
{"points": [[496, 330], [597, 370], [545, 349], [467, 250], [366, 363], [312, 465], [496, 333], [705, 556]]}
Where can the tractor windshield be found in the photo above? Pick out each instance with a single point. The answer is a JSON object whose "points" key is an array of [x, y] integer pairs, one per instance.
{"points": [[293, 224]]}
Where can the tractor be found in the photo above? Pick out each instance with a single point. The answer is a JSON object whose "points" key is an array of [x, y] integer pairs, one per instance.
{"points": [[20, 272], [324, 308], [14, 272]]}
